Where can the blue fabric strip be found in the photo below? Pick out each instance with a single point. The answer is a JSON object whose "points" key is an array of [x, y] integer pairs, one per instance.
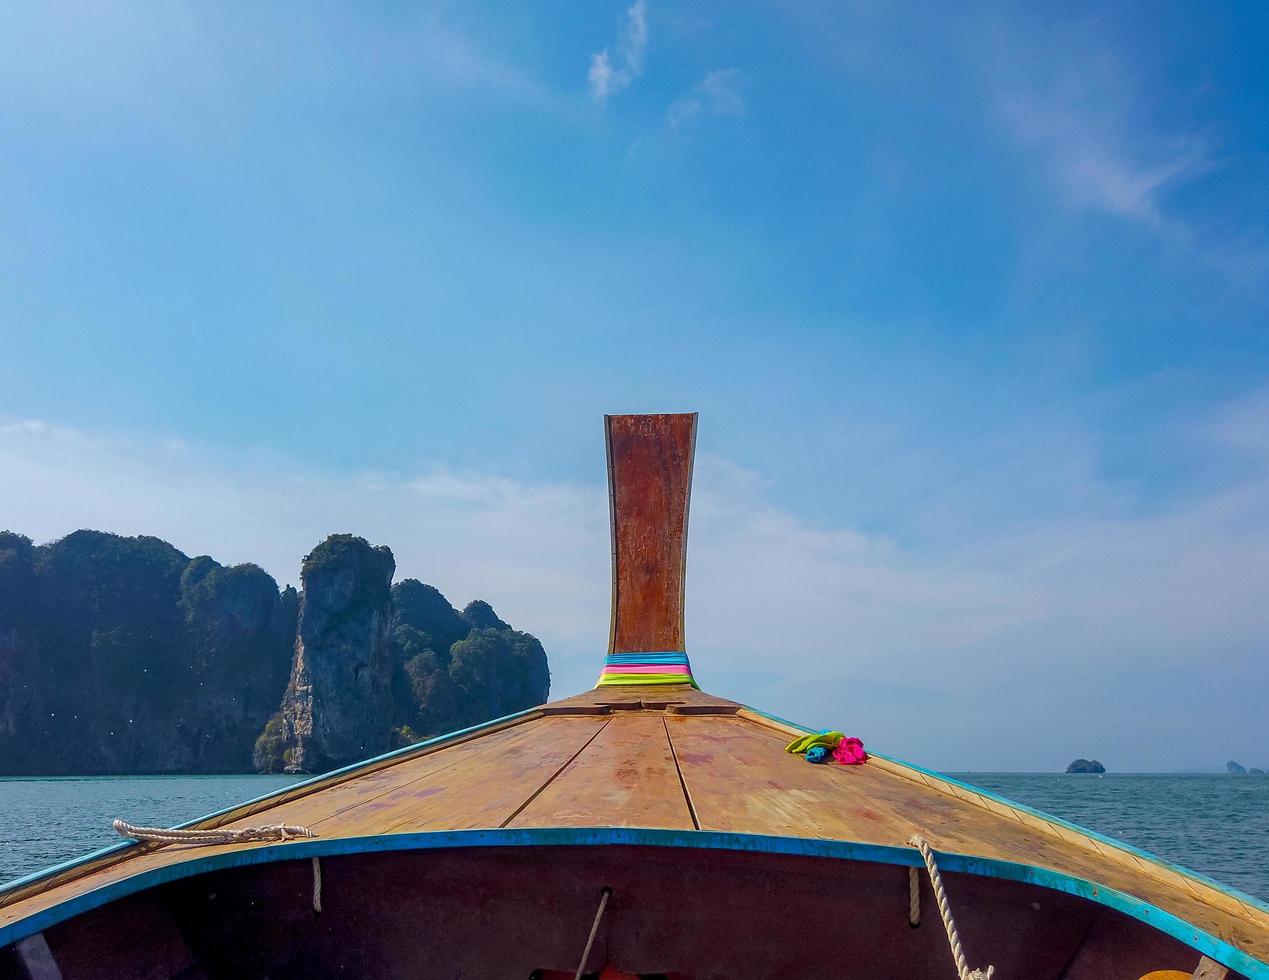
{"points": [[646, 658]]}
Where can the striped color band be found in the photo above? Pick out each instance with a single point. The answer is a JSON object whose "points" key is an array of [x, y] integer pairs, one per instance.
{"points": [[663, 667]]}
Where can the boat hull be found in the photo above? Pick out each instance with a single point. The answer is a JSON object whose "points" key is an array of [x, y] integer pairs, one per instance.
{"points": [[506, 904]]}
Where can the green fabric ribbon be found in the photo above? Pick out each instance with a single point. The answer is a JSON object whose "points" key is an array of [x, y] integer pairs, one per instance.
{"points": [[827, 739]]}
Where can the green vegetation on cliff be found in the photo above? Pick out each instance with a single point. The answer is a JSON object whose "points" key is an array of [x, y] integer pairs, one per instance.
{"points": [[124, 655], [379, 665], [456, 669]]}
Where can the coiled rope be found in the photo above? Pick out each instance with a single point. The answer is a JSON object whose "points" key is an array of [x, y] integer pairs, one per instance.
{"points": [[594, 930], [220, 835], [945, 911]]}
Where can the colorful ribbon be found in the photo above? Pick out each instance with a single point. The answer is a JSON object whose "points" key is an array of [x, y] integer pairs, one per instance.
{"points": [[664, 667]]}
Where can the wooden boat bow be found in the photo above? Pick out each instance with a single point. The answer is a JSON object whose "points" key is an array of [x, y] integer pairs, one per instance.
{"points": [[683, 803]]}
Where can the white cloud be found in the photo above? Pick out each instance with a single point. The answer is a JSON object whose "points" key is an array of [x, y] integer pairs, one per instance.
{"points": [[1243, 426], [717, 94], [607, 78], [985, 650], [1091, 157], [452, 57], [1088, 115], [127, 72], [27, 426]]}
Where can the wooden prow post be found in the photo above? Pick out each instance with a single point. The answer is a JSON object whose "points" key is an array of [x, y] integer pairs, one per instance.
{"points": [[649, 487]]}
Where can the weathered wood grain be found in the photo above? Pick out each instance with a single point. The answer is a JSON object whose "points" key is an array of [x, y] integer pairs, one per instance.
{"points": [[619, 769], [1209, 969], [470, 792], [625, 778], [649, 483]]}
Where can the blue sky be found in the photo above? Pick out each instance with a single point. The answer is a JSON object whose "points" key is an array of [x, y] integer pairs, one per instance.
{"points": [[971, 298]]}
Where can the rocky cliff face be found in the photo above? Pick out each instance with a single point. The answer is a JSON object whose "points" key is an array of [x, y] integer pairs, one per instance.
{"points": [[241, 630], [339, 698], [121, 655], [378, 666], [21, 703]]}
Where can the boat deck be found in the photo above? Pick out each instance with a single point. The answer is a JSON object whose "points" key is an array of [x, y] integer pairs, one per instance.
{"points": [[677, 760]]}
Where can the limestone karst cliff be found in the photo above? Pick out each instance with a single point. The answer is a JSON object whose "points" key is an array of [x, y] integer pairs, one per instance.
{"points": [[338, 702], [380, 665], [124, 655], [457, 669]]}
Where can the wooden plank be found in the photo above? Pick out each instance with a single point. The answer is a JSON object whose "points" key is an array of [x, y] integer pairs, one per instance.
{"points": [[371, 794], [649, 483], [626, 778], [460, 797], [1209, 969], [474, 794], [741, 780], [102, 865], [549, 773], [36, 960]]}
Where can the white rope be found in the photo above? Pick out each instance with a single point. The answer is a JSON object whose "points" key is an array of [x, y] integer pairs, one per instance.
{"points": [[317, 884], [945, 911], [594, 930], [161, 835], [914, 897]]}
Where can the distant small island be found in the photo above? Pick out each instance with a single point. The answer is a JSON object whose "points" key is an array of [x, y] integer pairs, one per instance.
{"points": [[1086, 765], [1234, 769]]}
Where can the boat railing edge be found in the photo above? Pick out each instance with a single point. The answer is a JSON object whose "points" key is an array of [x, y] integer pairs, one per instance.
{"points": [[1197, 938], [59, 874], [1200, 886]]}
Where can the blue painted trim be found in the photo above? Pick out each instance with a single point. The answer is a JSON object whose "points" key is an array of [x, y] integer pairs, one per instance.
{"points": [[1141, 853], [343, 771], [1144, 855], [1165, 922], [636, 659]]}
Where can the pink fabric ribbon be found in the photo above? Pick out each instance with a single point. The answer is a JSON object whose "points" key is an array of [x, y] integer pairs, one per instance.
{"points": [[850, 752]]}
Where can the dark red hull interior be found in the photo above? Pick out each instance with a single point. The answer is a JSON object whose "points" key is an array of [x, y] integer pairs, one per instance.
{"points": [[506, 912]]}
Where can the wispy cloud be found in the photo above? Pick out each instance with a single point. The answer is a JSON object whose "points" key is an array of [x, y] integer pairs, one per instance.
{"points": [[451, 56], [163, 75], [1092, 158], [717, 94], [1092, 128], [1243, 426], [610, 73], [1040, 624]]}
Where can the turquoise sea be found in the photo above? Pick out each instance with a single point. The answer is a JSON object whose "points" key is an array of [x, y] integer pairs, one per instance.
{"points": [[1215, 824], [46, 821], [1212, 823]]}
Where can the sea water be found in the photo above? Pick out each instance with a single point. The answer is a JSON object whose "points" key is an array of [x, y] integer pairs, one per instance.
{"points": [[1214, 824], [46, 821]]}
